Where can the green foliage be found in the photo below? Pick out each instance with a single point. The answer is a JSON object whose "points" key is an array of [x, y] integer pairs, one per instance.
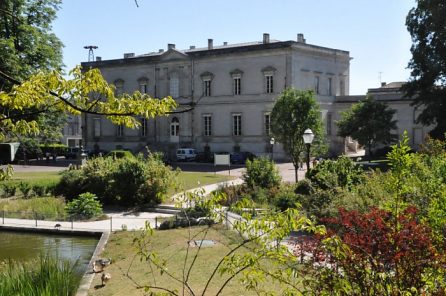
{"points": [[369, 122], [46, 208], [27, 42], [46, 276], [342, 172], [261, 172], [85, 206], [84, 91], [427, 27], [123, 181], [286, 198], [293, 113], [119, 154], [6, 173]]}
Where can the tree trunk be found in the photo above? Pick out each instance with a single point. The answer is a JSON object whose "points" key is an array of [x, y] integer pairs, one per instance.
{"points": [[296, 173]]}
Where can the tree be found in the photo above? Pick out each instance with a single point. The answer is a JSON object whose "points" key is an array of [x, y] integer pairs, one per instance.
{"points": [[294, 112], [427, 26], [27, 43], [369, 122]]}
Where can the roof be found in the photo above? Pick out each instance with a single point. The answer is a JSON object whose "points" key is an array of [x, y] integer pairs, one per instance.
{"points": [[217, 50]]}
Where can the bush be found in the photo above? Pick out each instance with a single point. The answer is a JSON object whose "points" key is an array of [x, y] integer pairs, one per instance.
{"points": [[329, 174], [286, 199], [125, 181], [86, 206], [261, 172], [25, 188]]}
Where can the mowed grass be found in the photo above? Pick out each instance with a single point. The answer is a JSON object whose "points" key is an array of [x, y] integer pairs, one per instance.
{"points": [[190, 180], [33, 178], [171, 245]]}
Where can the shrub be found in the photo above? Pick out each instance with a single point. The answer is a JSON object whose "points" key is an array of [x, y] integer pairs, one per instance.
{"points": [[286, 198], [342, 172], [125, 181], [25, 188], [86, 206], [261, 172]]}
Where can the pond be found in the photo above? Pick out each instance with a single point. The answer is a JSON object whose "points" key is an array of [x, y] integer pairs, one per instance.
{"points": [[25, 246]]}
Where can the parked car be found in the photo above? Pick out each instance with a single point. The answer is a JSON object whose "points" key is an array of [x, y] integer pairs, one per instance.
{"points": [[241, 157], [72, 152], [186, 154]]}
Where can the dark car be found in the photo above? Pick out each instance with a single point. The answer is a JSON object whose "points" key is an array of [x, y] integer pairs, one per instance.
{"points": [[241, 157], [72, 152]]}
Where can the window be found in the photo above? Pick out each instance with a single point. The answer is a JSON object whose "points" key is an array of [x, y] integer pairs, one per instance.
{"points": [[120, 130], [236, 124], [267, 123], [96, 127], [207, 123], [143, 82], [174, 86], [119, 84], [143, 127], [236, 81], [330, 86], [175, 127], [329, 119], [207, 79], [207, 88], [237, 85], [268, 73], [269, 84], [316, 84]]}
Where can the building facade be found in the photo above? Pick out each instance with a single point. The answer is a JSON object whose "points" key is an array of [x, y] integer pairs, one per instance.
{"points": [[231, 87]]}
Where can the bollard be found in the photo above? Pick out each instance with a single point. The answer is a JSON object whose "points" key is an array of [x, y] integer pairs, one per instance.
{"points": [[156, 222], [3, 217], [111, 224], [35, 216], [71, 222]]}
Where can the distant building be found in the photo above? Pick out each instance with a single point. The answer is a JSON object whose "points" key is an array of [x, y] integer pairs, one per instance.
{"points": [[405, 115], [232, 88], [72, 132]]}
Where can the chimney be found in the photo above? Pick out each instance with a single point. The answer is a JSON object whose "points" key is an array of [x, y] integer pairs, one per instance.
{"points": [[98, 59], [170, 46], [265, 38], [192, 47], [129, 55], [300, 38], [210, 44], [160, 50], [225, 43], [383, 84]]}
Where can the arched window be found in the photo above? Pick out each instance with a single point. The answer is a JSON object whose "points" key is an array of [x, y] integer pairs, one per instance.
{"points": [[175, 127]]}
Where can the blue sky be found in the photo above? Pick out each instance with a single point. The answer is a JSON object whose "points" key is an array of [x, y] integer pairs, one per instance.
{"points": [[373, 31]]}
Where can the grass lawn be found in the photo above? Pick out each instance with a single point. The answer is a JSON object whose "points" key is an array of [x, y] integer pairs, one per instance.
{"points": [[34, 177], [189, 180], [171, 245]]}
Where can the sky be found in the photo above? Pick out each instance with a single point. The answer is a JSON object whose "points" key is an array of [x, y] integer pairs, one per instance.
{"points": [[374, 32]]}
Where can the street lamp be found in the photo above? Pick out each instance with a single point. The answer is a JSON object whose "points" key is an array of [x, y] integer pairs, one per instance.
{"points": [[308, 139], [272, 141]]}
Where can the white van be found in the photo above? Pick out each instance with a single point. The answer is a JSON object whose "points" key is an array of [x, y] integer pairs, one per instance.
{"points": [[186, 154]]}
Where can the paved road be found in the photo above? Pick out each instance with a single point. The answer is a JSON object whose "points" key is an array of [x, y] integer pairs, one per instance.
{"points": [[286, 169]]}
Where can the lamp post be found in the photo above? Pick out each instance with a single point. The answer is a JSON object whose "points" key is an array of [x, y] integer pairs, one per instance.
{"points": [[272, 141], [308, 139]]}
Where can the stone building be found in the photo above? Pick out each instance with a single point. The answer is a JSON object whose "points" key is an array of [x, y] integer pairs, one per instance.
{"points": [[405, 115], [232, 88]]}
